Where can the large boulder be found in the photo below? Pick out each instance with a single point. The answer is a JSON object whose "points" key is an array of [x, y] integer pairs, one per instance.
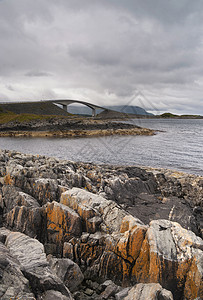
{"points": [[34, 265], [20, 211], [96, 212], [68, 271], [171, 256], [13, 284], [62, 223], [127, 251]]}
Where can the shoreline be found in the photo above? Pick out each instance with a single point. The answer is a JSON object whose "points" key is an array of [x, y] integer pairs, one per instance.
{"points": [[78, 133], [76, 224]]}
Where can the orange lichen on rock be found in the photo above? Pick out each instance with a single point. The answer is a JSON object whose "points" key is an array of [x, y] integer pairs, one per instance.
{"points": [[8, 180], [62, 222], [129, 245], [90, 217], [114, 267], [194, 280], [140, 271]]}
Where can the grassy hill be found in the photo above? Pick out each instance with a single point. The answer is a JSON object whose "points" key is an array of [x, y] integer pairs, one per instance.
{"points": [[37, 108], [173, 116]]}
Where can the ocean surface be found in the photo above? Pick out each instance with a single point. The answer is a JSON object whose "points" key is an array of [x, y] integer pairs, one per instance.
{"points": [[179, 146]]}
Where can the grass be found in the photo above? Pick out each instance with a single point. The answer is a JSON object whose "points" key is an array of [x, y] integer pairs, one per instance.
{"points": [[8, 116], [170, 115]]}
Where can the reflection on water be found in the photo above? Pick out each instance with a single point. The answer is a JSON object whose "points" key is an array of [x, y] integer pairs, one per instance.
{"points": [[178, 147]]}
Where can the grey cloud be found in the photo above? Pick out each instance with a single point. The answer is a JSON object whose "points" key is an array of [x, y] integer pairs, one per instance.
{"points": [[102, 49], [37, 74], [10, 88]]}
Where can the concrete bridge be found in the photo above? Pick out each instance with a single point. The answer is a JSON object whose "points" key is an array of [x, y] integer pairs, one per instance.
{"points": [[46, 107], [65, 104]]}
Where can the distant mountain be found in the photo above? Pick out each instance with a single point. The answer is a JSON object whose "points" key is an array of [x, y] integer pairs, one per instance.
{"points": [[84, 110], [129, 109]]}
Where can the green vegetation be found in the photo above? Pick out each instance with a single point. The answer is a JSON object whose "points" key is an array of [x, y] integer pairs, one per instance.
{"points": [[8, 116], [170, 115]]}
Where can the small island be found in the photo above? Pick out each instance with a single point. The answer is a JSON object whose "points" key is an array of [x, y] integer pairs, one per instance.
{"points": [[47, 120]]}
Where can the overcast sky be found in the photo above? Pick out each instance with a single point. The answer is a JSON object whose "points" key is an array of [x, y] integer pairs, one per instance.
{"points": [[108, 52]]}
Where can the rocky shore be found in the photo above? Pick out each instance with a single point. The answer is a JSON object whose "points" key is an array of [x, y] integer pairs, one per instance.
{"points": [[83, 231], [70, 127]]}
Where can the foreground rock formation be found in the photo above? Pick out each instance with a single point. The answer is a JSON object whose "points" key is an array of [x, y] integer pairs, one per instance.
{"points": [[81, 231]]}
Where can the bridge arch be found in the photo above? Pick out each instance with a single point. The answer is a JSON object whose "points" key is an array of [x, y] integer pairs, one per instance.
{"points": [[67, 102]]}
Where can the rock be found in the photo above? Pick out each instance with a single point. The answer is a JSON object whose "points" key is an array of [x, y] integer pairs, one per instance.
{"points": [[150, 207], [78, 211], [26, 220], [67, 271], [106, 283], [151, 291], [165, 295], [62, 223], [122, 294], [89, 205], [109, 291], [54, 295], [13, 284], [45, 190], [68, 251], [89, 292], [13, 196], [122, 189], [31, 256], [175, 250], [94, 286]]}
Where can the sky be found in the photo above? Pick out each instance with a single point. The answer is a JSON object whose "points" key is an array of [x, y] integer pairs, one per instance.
{"points": [[108, 52]]}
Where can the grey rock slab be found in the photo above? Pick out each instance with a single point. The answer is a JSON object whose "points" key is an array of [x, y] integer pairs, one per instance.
{"points": [[29, 252], [13, 196], [68, 250], [55, 295], [150, 207], [106, 283], [110, 290], [12, 281], [162, 239], [111, 214], [122, 294], [150, 291], [68, 271], [165, 295], [32, 258]]}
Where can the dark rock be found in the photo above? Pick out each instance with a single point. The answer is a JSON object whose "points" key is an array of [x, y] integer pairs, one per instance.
{"points": [[54, 295], [34, 265], [109, 291], [68, 271], [13, 284], [151, 207], [122, 294]]}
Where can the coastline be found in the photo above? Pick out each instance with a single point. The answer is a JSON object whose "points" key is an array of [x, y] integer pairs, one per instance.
{"points": [[78, 133], [59, 215], [63, 127]]}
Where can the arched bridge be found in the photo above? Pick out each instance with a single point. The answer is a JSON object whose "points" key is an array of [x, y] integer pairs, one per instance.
{"points": [[65, 104]]}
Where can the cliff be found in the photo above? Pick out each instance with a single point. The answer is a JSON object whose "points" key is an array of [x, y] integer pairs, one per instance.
{"points": [[82, 231]]}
